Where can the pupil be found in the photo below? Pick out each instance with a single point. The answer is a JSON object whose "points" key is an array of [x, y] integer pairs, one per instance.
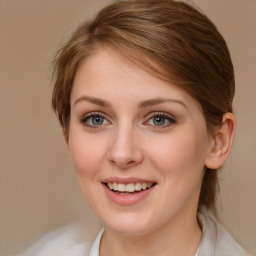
{"points": [[159, 120], [97, 120]]}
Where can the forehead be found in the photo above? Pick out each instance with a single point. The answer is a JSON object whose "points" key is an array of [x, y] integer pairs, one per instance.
{"points": [[108, 74], [106, 66]]}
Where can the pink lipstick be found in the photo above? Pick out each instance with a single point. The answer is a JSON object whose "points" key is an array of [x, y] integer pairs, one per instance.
{"points": [[127, 191]]}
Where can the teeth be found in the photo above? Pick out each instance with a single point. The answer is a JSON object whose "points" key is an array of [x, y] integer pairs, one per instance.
{"points": [[115, 187], [144, 186], [138, 186], [110, 185], [121, 187], [131, 187]]}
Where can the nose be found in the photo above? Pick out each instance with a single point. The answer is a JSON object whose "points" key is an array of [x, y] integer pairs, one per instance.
{"points": [[125, 151]]}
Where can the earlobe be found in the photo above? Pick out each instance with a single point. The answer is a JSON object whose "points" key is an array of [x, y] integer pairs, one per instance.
{"points": [[222, 142]]}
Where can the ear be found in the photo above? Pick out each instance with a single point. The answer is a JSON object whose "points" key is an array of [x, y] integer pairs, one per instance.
{"points": [[222, 142]]}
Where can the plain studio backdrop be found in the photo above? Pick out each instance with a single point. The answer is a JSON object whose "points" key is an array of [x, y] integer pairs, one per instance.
{"points": [[38, 190]]}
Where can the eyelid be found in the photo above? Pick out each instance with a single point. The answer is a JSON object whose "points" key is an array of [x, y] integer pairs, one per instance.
{"points": [[161, 113], [85, 117], [93, 113], [151, 115], [165, 115]]}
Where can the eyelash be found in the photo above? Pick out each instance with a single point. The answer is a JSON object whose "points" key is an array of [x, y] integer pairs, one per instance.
{"points": [[88, 116], [167, 117]]}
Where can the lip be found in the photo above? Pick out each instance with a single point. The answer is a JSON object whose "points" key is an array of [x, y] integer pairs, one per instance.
{"points": [[130, 199], [126, 180]]}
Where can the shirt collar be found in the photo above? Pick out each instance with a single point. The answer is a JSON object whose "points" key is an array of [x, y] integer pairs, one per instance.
{"points": [[206, 246]]}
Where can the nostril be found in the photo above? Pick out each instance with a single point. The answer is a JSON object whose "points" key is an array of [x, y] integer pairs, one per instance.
{"points": [[125, 158], [131, 163], [128, 163]]}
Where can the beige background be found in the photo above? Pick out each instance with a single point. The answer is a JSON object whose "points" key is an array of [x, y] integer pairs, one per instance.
{"points": [[38, 190]]}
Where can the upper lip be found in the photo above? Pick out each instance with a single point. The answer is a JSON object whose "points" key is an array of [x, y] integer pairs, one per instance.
{"points": [[126, 180]]}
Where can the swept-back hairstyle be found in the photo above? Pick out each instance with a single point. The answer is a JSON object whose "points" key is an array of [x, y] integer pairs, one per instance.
{"points": [[170, 39]]}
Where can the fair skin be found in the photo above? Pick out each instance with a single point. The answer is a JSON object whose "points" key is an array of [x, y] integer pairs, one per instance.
{"points": [[128, 127]]}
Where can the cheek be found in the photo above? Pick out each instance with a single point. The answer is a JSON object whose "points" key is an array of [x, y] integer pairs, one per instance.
{"points": [[180, 163], [181, 156], [85, 154]]}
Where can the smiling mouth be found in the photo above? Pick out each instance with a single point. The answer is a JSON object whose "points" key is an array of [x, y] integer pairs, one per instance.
{"points": [[130, 188]]}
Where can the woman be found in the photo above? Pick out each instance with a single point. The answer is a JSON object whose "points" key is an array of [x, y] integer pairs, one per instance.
{"points": [[144, 96]]}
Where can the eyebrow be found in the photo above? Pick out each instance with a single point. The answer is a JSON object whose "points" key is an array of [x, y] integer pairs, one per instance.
{"points": [[152, 102], [93, 100], [142, 104]]}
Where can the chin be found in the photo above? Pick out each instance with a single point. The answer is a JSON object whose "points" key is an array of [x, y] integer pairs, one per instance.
{"points": [[129, 224]]}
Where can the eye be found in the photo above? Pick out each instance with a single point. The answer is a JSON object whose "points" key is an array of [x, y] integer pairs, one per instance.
{"points": [[161, 119], [94, 120]]}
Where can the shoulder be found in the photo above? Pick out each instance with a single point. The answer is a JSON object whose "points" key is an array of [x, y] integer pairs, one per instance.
{"points": [[217, 240], [70, 240]]}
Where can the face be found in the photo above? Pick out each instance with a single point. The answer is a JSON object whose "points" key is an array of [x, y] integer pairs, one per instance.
{"points": [[138, 145]]}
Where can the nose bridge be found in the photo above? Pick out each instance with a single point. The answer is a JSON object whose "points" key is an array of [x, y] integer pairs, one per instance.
{"points": [[124, 149]]}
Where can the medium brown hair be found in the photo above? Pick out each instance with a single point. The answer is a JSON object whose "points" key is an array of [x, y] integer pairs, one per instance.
{"points": [[170, 39]]}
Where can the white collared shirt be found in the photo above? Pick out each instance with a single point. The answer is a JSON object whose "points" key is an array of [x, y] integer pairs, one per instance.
{"points": [[67, 242], [96, 245]]}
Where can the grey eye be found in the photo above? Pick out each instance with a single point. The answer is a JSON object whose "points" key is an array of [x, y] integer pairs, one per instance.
{"points": [[97, 120], [94, 120], [159, 120]]}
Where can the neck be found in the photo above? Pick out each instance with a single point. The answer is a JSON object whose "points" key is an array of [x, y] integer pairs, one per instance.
{"points": [[179, 237]]}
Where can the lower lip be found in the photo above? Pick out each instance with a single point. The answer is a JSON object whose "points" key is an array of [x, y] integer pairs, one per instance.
{"points": [[127, 200]]}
